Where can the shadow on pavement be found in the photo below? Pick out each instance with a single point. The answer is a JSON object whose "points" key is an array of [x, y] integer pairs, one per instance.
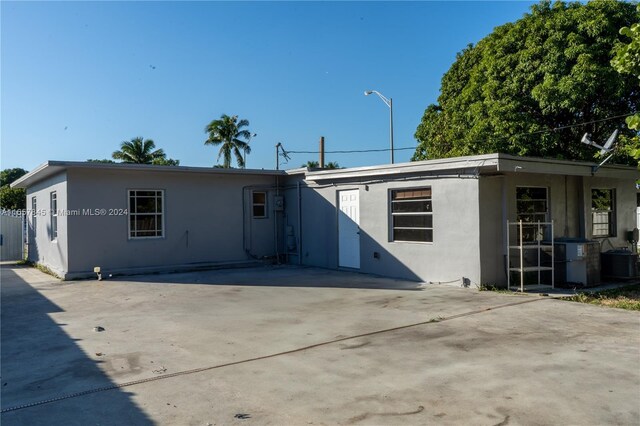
{"points": [[278, 276], [41, 361]]}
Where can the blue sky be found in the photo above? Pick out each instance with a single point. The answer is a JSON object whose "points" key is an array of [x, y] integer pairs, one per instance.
{"points": [[78, 78]]}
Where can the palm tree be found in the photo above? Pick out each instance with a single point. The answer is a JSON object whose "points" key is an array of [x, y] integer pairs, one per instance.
{"points": [[228, 132], [332, 165], [139, 151], [315, 165]]}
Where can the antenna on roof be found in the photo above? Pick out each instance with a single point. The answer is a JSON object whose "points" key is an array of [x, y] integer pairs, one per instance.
{"points": [[606, 149]]}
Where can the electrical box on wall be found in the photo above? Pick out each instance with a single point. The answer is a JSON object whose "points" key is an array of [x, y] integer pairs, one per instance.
{"points": [[278, 203]]}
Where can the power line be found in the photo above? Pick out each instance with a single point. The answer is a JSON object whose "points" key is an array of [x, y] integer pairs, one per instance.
{"points": [[570, 126], [554, 129], [351, 151]]}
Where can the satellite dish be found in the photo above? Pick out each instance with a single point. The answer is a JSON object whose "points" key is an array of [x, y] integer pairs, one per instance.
{"points": [[586, 139], [607, 146], [604, 149]]}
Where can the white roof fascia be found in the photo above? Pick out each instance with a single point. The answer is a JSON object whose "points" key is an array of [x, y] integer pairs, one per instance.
{"points": [[51, 168], [462, 164]]}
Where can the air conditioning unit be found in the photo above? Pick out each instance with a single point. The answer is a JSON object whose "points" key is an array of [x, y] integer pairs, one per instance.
{"points": [[619, 264], [577, 261]]}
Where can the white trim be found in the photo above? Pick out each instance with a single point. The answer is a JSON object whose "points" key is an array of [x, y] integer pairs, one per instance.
{"points": [[391, 214], [53, 216], [162, 214], [254, 204]]}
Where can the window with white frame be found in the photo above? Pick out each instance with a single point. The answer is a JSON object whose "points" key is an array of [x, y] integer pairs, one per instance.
{"points": [[54, 215], [146, 213], [34, 216], [259, 204], [412, 215], [603, 212]]}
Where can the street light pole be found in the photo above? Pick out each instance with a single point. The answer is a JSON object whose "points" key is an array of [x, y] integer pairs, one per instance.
{"points": [[388, 102]]}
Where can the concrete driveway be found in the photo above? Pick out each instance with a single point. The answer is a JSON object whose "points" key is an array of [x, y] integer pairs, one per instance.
{"points": [[288, 345]]}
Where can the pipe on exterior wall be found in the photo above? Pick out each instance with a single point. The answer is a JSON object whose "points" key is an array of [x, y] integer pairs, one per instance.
{"points": [[566, 206], [275, 225], [505, 232], [299, 224], [581, 210]]}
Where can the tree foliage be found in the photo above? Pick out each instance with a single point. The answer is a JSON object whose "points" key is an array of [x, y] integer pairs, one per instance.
{"points": [[8, 176], [232, 135], [548, 70], [165, 162], [139, 151], [314, 165], [12, 198], [627, 61], [104, 160]]}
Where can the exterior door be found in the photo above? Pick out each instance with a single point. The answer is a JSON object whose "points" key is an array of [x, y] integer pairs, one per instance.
{"points": [[11, 237], [349, 229]]}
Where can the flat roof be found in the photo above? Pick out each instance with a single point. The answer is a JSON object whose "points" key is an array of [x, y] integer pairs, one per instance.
{"points": [[51, 168], [485, 164]]}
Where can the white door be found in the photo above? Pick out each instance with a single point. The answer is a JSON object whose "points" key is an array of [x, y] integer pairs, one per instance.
{"points": [[349, 229]]}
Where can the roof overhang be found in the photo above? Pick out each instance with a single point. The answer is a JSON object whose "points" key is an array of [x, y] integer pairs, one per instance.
{"points": [[477, 165], [459, 165], [52, 168]]}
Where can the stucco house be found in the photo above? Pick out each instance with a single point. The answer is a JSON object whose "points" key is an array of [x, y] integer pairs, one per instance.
{"points": [[436, 220]]}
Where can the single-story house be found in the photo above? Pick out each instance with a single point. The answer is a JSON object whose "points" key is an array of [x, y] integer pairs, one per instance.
{"points": [[440, 220]]}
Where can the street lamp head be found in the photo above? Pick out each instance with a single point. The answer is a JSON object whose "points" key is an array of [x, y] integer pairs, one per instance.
{"points": [[368, 92]]}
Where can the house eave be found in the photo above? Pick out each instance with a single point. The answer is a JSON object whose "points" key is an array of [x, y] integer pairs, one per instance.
{"points": [[51, 168], [478, 165]]}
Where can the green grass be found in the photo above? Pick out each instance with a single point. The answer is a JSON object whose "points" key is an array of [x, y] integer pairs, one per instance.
{"points": [[39, 267], [495, 289], [627, 297]]}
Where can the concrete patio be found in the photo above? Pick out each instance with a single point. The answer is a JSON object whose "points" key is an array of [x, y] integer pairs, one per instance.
{"points": [[287, 345]]}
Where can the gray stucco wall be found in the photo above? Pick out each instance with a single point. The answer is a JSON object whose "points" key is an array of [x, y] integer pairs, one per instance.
{"points": [[453, 254], [626, 201], [42, 248], [569, 208], [203, 215], [491, 229]]}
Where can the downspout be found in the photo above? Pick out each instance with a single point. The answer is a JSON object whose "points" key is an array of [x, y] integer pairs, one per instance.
{"points": [[244, 221], [299, 224], [505, 218], [566, 206], [581, 210], [275, 224]]}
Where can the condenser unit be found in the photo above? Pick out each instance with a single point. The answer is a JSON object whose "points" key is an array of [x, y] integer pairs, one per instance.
{"points": [[619, 264], [577, 261]]}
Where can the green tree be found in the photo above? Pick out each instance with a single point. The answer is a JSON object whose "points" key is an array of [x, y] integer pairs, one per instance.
{"points": [[138, 151], [315, 165], [547, 70], [106, 161], [627, 61], [232, 135], [165, 162], [12, 198], [8, 176]]}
